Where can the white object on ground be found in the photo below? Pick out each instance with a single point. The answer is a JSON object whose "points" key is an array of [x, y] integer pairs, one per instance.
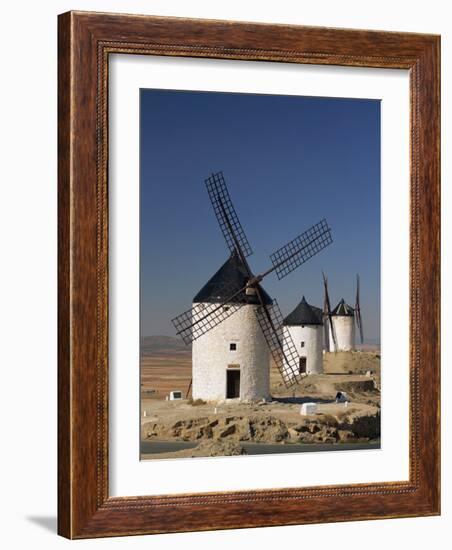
{"points": [[308, 408], [175, 395]]}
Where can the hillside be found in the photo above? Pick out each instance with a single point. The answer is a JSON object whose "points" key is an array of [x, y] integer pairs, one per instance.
{"points": [[162, 344]]}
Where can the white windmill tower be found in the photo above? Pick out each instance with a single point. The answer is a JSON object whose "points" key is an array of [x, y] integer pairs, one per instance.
{"points": [[305, 326], [340, 322], [231, 360], [343, 317], [233, 324]]}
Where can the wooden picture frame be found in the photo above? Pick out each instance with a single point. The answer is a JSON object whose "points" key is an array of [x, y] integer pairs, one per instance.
{"points": [[86, 40]]}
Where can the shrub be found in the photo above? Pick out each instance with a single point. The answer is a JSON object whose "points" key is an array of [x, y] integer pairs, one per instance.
{"points": [[196, 402]]}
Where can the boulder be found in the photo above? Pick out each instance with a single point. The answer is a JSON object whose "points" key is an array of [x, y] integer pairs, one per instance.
{"points": [[229, 430]]}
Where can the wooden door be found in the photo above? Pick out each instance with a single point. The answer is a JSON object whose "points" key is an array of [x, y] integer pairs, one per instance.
{"points": [[302, 368], [232, 384]]}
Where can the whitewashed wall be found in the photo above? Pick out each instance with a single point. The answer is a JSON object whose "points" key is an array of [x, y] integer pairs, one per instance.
{"points": [[312, 336], [344, 329], [211, 356]]}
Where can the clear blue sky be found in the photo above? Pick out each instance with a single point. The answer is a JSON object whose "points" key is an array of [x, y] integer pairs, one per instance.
{"points": [[288, 161]]}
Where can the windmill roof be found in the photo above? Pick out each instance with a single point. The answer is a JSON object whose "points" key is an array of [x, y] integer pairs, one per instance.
{"points": [[305, 314], [231, 277], [343, 309]]}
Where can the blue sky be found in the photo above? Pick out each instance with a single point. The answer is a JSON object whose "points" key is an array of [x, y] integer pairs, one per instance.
{"points": [[288, 161]]}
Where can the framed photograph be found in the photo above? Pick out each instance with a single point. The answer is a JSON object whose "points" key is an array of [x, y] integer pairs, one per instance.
{"points": [[248, 275]]}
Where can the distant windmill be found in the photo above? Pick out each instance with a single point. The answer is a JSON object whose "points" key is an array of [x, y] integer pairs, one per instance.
{"points": [[340, 322], [306, 325], [230, 362]]}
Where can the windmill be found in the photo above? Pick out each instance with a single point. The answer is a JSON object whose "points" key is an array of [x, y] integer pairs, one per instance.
{"points": [[194, 323], [340, 322], [306, 327]]}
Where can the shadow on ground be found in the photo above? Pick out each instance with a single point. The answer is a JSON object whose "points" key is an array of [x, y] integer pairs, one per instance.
{"points": [[301, 400], [49, 523]]}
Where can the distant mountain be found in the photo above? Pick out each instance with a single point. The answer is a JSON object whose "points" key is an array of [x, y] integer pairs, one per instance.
{"points": [[162, 344]]}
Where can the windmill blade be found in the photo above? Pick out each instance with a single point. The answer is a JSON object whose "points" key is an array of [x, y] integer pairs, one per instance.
{"points": [[358, 312], [226, 215], [301, 249], [326, 319], [189, 388], [280, 342], [327, 311], [202, 317], [360, 326]]}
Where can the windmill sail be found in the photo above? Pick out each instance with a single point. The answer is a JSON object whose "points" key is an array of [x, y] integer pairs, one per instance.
{"points": [[202, 317], [326, 322], [226, 215], [327, 315], [280, 343], [358, 312], [302, 248]]}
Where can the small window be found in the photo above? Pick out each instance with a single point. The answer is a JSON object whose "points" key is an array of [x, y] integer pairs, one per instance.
{"points": [[226, 308], [302, 344], [232, 346]]}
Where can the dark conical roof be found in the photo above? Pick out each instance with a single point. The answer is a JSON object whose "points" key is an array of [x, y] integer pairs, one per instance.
{"points": [[304, 314], [231, 277], [343, 309]]}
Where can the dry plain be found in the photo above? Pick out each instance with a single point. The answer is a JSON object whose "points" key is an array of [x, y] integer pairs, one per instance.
{"points": [[207, 429]]}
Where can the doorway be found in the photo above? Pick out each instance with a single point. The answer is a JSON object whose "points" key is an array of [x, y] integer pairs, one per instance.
{"points": [[302, 367], [232, 383]]}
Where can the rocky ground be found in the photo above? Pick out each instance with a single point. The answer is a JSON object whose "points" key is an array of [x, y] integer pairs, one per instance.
{"points": [[221, 428]]}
